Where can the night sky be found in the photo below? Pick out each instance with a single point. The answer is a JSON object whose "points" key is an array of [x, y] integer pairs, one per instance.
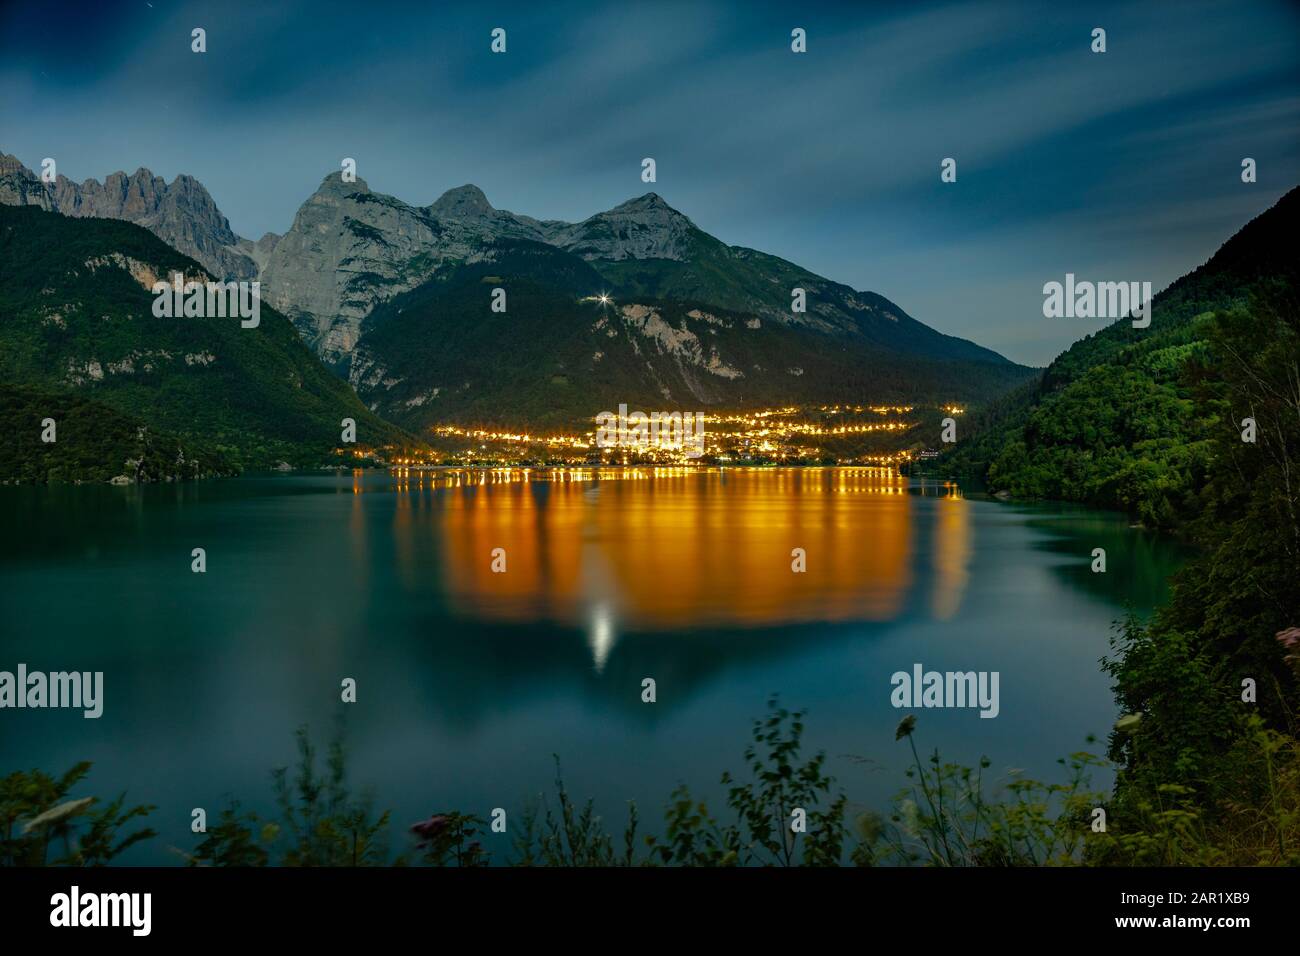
{"points": [[1117, 166]]}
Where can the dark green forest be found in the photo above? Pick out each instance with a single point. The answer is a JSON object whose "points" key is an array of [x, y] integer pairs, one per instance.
{"points": [[79, 343], [455, 360], [1113, 420]]}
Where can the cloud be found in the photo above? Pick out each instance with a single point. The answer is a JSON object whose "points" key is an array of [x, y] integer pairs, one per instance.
{"points": [[829, 158]]}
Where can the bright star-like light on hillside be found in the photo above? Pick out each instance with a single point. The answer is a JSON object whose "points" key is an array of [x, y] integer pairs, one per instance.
{"points": [[604, 298]]}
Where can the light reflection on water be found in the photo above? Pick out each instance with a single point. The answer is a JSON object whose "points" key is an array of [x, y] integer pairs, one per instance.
{"points": [[469, 681], [665, 548]]}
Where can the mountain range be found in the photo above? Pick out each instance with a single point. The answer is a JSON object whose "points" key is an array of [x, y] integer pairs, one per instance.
{"points": [[395, 298], [634, 305]]}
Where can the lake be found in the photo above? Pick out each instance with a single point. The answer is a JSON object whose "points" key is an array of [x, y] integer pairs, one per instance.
{"points": [[469, 680]]}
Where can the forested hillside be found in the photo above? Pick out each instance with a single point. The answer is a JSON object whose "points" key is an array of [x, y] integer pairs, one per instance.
{"points": [[79, 343], [1192, 424], [1112, 421]]}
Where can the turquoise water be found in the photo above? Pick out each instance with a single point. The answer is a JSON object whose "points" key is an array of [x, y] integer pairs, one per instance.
{"points": [[469, 680]]}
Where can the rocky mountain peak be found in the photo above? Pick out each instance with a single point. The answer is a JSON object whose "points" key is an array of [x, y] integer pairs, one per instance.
{"points": [[183, 214], [9, 165], [334, 185], [462, 202], [642, 228], [648, 201]]}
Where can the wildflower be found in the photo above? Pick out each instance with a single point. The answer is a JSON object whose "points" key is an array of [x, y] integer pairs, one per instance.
{"points": [[905, 727], [431, 828], [1128, 723], [58, 814]]}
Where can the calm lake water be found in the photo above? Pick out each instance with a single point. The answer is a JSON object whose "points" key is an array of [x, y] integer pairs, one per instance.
{"points": [[468, 680]]}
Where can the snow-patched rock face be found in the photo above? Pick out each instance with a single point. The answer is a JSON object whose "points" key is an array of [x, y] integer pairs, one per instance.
{"points": [[82, 372], [641, 228], [681, 344], [142, 272]]}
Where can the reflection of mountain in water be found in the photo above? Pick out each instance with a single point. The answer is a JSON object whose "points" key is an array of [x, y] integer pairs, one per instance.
{"points": [[1139, 562]]}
